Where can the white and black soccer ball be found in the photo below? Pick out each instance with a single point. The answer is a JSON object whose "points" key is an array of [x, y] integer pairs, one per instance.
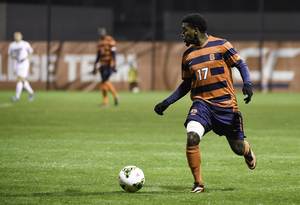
{"points": [[131, 178]]}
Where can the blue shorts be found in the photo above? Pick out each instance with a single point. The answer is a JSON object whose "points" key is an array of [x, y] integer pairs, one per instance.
{"points": [[105, 72], [223, 121]]}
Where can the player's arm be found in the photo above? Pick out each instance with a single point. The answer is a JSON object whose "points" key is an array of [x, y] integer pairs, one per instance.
{"points": [[96, 61], [29, 50], [114, 53], [29, 55], [10, 53], [181, 91], [245, 74]]}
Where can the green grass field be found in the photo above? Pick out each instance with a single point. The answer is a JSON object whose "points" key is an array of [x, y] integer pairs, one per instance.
{"points": [[64, 148]]}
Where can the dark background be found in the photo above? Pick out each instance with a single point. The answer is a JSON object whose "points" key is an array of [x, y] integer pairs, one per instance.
{"points": [[152, 20]]}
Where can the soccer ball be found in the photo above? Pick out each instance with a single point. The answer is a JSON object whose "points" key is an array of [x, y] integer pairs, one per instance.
{"points": [[131, 178]]}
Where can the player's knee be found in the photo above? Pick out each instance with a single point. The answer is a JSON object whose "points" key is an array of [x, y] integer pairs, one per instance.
{"points": [[193, 139], [20, 79], [238, 151], [195, 132], [237, 146]]}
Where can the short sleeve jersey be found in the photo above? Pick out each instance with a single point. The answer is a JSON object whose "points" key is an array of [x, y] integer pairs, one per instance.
{"points": [[104, 46], [19, 50], [209, 68]]}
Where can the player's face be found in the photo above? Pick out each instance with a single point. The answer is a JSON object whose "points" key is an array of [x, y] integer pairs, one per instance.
{"points": [[18, 36], [102, 32], [188, 34]]}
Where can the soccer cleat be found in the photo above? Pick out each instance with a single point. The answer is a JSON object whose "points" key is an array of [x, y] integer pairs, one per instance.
{"points": [[250, 159], [14, 98], [117, 101], [197, 188], [31, 98], [104, 105]]}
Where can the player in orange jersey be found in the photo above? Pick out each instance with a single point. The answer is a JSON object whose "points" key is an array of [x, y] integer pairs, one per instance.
{"points": [[206, 74], [106, 55]]}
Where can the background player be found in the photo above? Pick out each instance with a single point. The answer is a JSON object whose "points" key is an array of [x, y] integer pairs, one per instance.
{"points": [[206, 73], [106, 55], [20, 51]]}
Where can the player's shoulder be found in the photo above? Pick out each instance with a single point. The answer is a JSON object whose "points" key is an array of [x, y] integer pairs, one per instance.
{"points": [[100, 41], [26, 42], [110, 39], [217, 40], [189, 50], [13, 43], [108, 36], [22, 42]]}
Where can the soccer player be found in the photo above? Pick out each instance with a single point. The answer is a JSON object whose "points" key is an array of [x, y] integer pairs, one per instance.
{"points": [[206, 74], [20, 51], [106, 55]]}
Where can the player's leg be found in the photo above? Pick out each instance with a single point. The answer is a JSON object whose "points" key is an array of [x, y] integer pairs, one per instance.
{"points": [[198, 123], [237, 146], [195, 132], [104, 90], [104, 87], [29, 89], [250, 158], [19, 88], [235, 138], [113, 91], [111, 86], [242, 147], [231, 125]]}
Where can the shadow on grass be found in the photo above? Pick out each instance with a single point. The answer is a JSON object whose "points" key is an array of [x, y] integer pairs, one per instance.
{"points": [[69, 192], [183, 188], [223, 190], [76, 192]]}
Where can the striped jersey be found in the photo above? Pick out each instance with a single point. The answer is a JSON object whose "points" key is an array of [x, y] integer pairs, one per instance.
{"points": [[209, 68], [105, 47]]}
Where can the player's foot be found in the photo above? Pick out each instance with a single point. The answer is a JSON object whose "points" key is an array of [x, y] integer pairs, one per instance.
{"points": [[14, 98], [117, 101], [104, 105], [31, 98], [250, 159], [197, 188]]}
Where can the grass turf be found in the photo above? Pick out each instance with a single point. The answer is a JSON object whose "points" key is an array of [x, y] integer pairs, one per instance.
{"points": [[64, 148]]}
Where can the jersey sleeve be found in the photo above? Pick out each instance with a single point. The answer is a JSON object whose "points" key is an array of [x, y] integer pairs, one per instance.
{"points": [[9, 52], [233, 59], [112, 43], [112, 46], [230, 55], [181, 91], [185, 71], [29, 48], [244, 71]]}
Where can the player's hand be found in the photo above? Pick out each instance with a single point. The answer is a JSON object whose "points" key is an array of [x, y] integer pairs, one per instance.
{"points": [[161, 107], [114, 69], [94, 71], [247, 90]]}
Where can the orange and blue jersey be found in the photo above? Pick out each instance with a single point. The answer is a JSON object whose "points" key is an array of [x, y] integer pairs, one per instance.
{"points": [[207, 75], [208, 67], [104, 48]]}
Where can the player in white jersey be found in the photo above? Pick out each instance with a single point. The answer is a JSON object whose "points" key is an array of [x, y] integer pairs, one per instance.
{"points": [[20, 51]]}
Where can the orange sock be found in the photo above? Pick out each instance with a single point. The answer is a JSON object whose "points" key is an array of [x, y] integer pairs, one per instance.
{"points": [[194, 161], [247, 146]]}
